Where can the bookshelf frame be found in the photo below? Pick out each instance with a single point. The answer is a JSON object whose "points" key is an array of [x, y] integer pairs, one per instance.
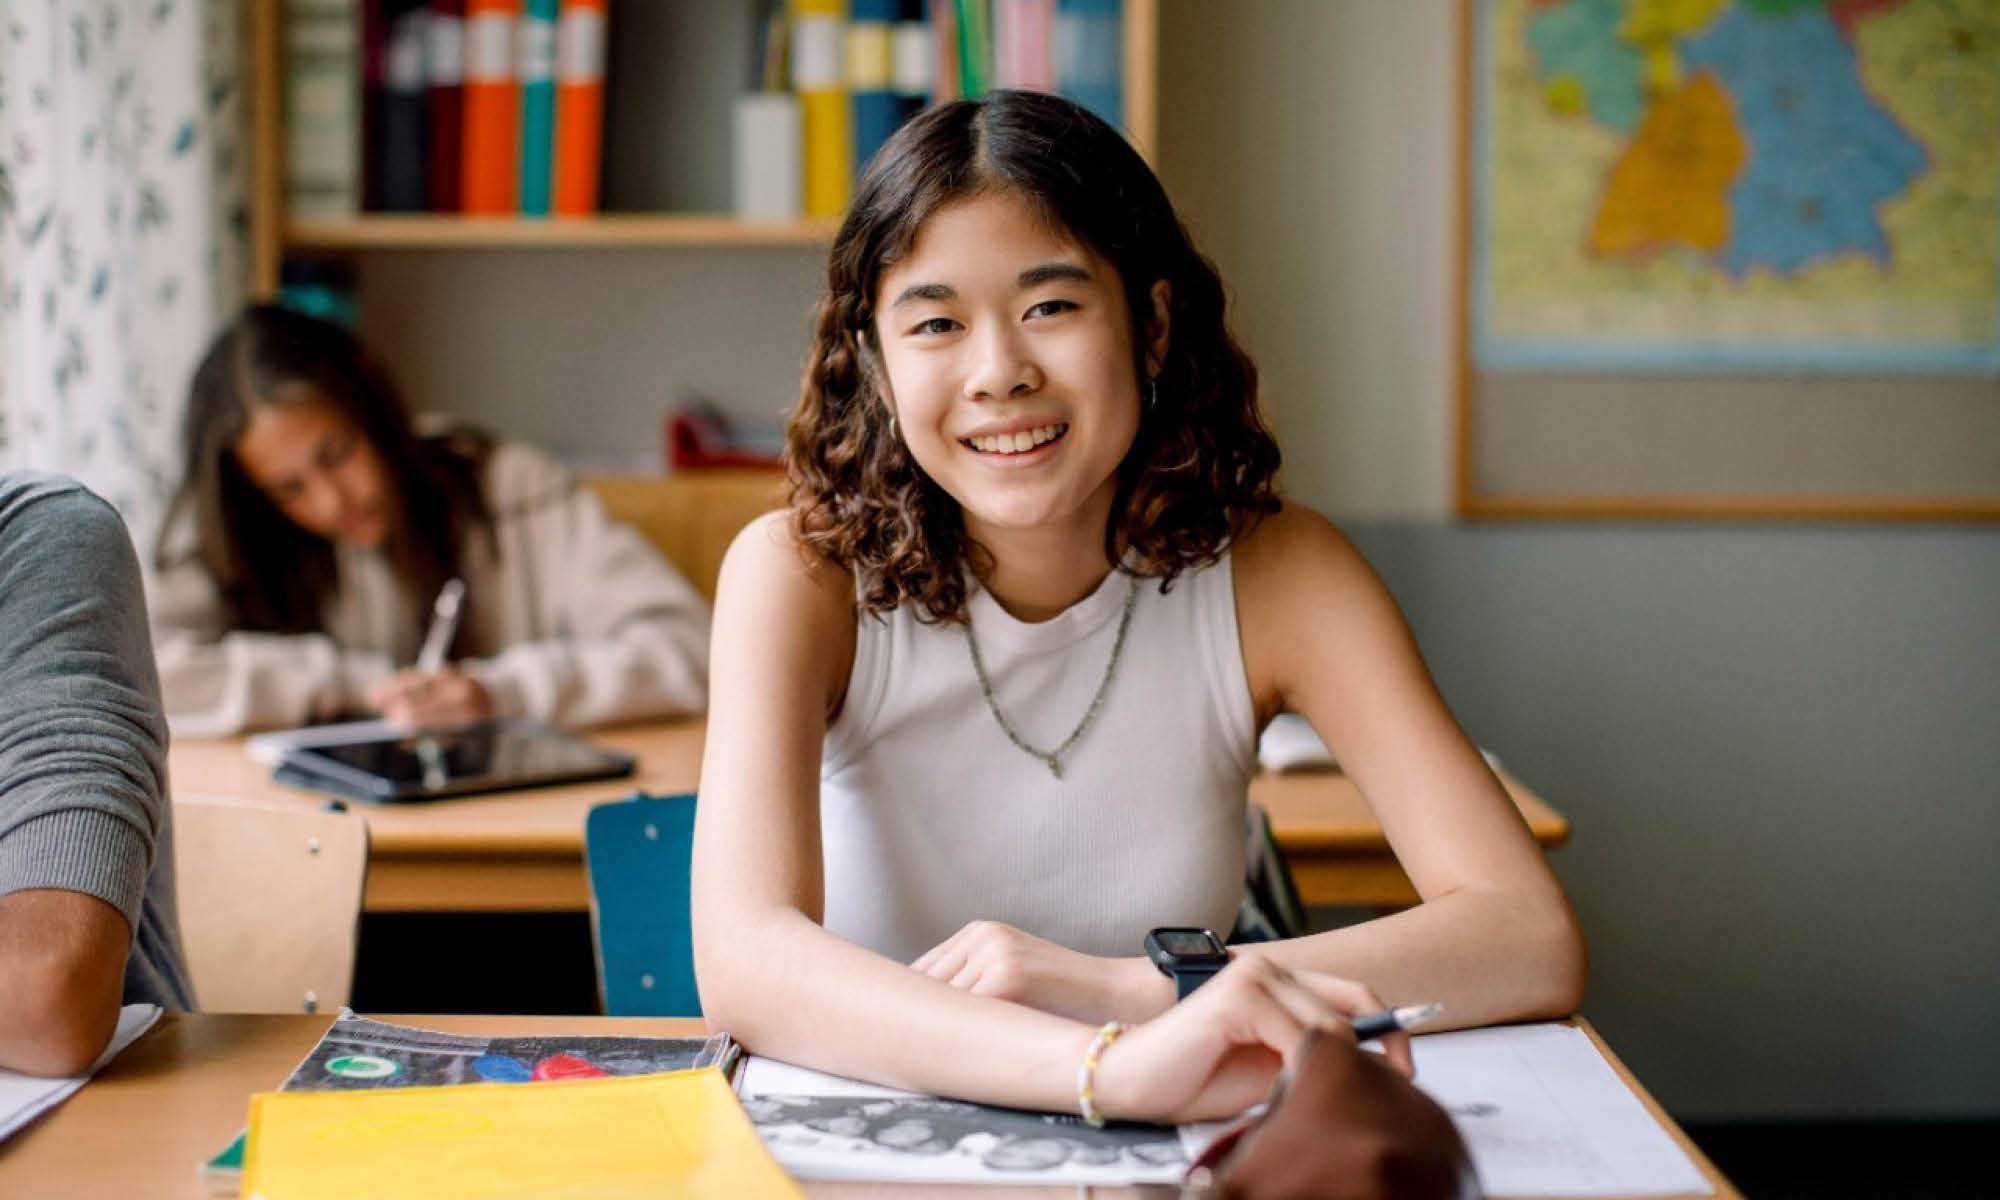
{"points": [[606, 231], [273, 232]]}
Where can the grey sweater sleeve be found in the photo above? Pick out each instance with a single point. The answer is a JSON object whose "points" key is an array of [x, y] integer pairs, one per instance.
{"points": [[83, 797]]}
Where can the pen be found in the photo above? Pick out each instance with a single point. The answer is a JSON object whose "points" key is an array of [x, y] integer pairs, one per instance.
{"points": [[1379, 1024], [444, 623]]}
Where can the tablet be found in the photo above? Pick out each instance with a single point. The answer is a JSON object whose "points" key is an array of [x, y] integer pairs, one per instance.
{"points": [[488, 757]]}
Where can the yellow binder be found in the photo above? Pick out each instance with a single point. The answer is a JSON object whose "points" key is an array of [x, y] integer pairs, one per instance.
{"points": [[676, 1134]]}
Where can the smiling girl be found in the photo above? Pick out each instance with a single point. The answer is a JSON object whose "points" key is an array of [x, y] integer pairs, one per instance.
{"points": [[987, 695], [315, 526]]}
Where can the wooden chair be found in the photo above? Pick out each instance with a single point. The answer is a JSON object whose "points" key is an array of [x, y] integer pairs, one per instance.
{"points": [[691, 516], [270, 902], [637, 853]]}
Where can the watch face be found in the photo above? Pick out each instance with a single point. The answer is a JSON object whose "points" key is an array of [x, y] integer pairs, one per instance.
{"points": [[1187, 945]]}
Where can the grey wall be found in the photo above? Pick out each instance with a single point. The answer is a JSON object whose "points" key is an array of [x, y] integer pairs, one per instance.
{"points": [[1779, 749], [585, 351], [1309, 147]]}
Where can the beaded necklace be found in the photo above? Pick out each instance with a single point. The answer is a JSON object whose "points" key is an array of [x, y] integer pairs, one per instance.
{"points": [[1054, 757]]}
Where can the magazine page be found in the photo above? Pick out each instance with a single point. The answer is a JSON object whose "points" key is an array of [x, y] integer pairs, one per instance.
{"points": [[821, 1126]]}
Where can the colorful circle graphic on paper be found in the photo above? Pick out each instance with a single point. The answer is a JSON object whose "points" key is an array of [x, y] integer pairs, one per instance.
{"points": [[501, 1068], [363, 1066]]}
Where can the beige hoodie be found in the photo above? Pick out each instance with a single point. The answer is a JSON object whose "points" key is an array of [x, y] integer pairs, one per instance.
{"points": [[578, 622]]}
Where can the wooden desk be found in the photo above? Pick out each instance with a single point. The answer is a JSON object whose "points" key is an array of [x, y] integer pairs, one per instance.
{"points": [[1336, 848], [142, 1127], [523, 851]]}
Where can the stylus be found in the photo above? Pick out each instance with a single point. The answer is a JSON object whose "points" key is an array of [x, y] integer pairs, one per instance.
{"points": [[444, 623]]}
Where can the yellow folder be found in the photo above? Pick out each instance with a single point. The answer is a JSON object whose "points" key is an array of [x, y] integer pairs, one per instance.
{"points": [[676, 1134]]}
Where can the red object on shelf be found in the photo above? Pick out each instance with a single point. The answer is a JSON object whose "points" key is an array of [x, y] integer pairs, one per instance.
{"points": [[698, 436]]}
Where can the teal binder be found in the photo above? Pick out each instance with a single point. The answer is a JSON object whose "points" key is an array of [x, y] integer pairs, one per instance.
{"points": [[537, 47]]}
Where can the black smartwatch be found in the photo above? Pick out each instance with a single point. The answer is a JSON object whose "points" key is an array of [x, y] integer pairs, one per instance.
{"points": [[1191, 955]]}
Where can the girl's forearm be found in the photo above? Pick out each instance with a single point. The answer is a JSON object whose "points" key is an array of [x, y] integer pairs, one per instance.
{"points": [[1487, 956], [809, 997]]}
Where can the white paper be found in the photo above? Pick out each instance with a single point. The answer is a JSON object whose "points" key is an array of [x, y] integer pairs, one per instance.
{"points": [[24, 1097], [822, 1126], [1545, 1115], [1288, 743]]}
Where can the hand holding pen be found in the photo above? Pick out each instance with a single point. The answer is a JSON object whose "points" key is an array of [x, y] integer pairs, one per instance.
{"points": [[433, 694], [1369, 1026]]}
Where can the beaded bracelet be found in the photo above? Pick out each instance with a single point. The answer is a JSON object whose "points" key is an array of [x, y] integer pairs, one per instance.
{"points": [[1086, 1074]]}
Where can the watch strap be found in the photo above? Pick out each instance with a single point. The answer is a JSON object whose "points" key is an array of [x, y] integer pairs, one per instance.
{"points": [[1187, 979]]}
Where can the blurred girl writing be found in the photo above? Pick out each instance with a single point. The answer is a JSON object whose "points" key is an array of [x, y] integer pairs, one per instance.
{"points": [[315, 528]]}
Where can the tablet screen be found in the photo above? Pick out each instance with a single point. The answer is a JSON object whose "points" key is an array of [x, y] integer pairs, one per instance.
{"points": [[478, 758]]}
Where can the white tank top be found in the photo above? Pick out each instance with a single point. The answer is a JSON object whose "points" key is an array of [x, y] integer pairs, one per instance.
{"points": [[930, 817]]}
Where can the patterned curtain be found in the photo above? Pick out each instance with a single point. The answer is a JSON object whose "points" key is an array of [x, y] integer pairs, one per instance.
{"points": [[121, 232]]}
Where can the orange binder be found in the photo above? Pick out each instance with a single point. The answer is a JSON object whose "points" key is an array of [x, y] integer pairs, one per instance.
{"points": [[580, 43], [490, 184]]}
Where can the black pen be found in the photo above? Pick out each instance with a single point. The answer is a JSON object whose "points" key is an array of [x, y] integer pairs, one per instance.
{"points": [[1373, 1025]]}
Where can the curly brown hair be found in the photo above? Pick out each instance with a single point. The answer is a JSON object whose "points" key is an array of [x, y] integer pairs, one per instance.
{"points": [[1200, 473]]}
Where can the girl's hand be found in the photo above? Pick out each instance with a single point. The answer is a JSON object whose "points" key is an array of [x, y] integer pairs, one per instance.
{"points": [[990, 958], [1216, 1053], [431, 699]]}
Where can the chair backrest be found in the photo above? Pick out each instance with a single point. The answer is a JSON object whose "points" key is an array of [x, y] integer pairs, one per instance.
{"points": [[691, 516], [637, 853], [270, 900]]}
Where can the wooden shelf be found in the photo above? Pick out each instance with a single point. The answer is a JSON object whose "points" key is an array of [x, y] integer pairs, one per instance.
{"points": [[606, 231], [273, 234]]}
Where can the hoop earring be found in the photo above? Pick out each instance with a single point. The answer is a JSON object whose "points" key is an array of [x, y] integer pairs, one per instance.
{"points": [[894, 433], [1152, 393]]}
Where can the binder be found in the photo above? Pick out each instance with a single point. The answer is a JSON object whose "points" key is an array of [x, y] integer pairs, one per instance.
{"points": [[535, 63], [825, 116], [1024, 44], [579, 120], [1090, 54], [869, 71], [373, 59], [444, 75], [677, 1134], [489, 180], [322, 107], [766, 156], [975, 46], [912, 57], [404, 107], [945, 84]]}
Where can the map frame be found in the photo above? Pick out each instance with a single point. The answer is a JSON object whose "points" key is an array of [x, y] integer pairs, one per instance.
{"points": [[1683, 436], [1661, 353]]}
